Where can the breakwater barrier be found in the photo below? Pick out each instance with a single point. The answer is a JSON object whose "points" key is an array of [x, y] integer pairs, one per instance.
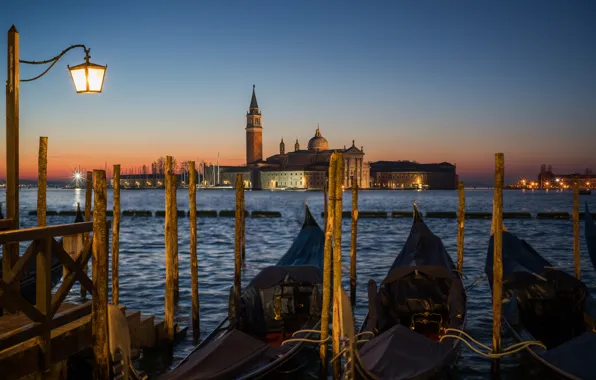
{"points": [[555, 215]]}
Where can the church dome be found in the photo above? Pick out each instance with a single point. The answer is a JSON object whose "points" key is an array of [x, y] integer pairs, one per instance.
{"points": [[318, 143]]}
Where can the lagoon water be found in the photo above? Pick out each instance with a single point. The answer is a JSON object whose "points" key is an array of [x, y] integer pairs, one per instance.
{"points": [[142, 261]]}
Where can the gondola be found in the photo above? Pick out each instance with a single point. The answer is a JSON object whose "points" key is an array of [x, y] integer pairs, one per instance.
{"points": [[545, 304], [421, 297], [585, 192], [590, 233], [29, 275], [280, 300]]}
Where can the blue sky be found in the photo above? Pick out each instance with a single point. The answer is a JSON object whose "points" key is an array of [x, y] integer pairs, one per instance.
{"points": [[421, 80]]}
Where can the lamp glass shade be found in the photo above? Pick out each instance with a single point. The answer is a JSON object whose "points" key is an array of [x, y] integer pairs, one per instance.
{"points": [[88, 77]]}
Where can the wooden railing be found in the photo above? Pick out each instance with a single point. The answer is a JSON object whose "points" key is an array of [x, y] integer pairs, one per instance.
{"points": [[44, 313]]}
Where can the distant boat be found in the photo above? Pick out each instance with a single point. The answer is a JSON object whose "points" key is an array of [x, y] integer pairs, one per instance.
{"points": [[585, 192]]}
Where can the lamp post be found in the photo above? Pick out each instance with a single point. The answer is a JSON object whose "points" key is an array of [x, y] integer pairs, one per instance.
{"points": [[87, 78]]}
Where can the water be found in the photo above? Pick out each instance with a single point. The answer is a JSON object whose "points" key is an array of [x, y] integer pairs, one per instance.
{"points": [[142, 260]]}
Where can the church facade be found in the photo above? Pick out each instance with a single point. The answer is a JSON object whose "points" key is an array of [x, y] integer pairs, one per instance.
{"points": [[293, 168]]}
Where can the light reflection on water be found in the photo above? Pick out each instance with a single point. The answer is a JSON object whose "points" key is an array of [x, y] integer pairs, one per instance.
{"points": [[142, 263]]}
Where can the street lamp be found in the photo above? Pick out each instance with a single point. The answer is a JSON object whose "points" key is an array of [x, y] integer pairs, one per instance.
{"points": [[87, 78]]}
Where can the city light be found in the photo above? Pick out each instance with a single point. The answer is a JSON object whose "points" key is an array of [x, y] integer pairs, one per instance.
{"points": [[78, 180]]}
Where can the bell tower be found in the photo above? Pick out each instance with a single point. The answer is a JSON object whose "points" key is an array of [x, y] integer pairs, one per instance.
{"points": [[254, 132]]}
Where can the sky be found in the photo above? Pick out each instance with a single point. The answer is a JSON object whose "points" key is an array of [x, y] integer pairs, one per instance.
{"points": [[429, 81]]}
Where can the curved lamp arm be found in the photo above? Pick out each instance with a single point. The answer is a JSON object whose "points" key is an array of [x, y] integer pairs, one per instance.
{"points": [[53, 61]]}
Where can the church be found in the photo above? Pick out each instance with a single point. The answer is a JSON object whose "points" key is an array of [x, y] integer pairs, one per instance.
{"points": [[289, 169]]}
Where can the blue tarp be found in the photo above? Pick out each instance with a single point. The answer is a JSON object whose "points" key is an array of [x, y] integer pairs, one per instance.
{"points": [[308, 246], [517, 256], [422, 248]]}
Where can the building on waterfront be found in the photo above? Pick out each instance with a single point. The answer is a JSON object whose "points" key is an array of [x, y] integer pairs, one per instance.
{"points": [[413, 175], [153, 180], [547, 179], [226, 175], [297, 168]]}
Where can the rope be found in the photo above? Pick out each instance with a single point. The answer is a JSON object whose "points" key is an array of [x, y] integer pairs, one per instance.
{"points": [[338, 355], [347, 271], [475, 282], [306, 340], [364, 332], [514, 348], [306, 331]]}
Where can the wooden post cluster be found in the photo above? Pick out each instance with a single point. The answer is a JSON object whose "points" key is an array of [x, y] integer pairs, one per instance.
{"points": [[238, 236], [461, 221], [498, 256], [576, 257], [99, 306], [337, 287], [88, 195], [327, 262], [171, 244], [353, 242], [116, 237], [194, 266], [42, 181]]}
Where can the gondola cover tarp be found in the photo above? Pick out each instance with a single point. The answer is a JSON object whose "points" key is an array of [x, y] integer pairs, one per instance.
{"points": [[400, 345]]}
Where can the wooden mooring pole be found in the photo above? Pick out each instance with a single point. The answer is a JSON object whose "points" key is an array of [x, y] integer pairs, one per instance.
{"points": [[238, 237], [174, 221], [43, 280], [326, 201], [337, 221], [194, 266], [327, 264], [171, 217], [243, 225], [353, 242], [576, 257], [498, 258], [461, 221], [116, 236], [88, 195], [42, 181], [99, 316], [10, 254]]}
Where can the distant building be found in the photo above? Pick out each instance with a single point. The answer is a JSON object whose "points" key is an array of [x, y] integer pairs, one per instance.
{"points": [[155, 180], [226, 176], [548, 180], [412, 175], [300, 168]]}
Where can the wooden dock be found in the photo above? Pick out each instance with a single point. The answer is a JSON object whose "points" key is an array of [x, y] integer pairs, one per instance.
{"points": [[71, 333], [40, 338]]}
